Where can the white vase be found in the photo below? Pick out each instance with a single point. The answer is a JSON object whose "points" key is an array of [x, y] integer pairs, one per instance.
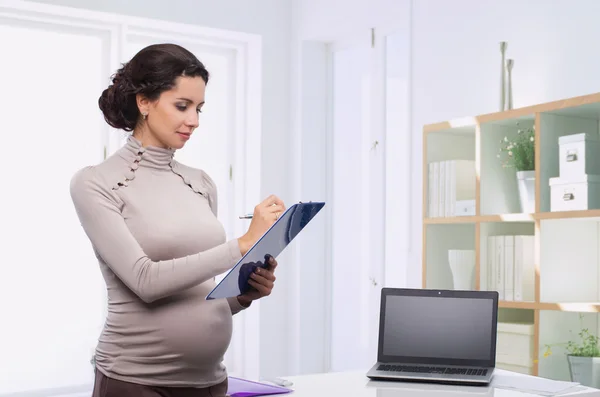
{"points": [[462, 264], [526, 184], [585, 370]]}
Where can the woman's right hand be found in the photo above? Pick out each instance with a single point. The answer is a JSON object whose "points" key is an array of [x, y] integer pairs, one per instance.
{"points": [[265, 214]]}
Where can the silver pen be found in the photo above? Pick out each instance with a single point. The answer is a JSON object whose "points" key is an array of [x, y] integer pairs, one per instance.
{"points": [[249, 216]]}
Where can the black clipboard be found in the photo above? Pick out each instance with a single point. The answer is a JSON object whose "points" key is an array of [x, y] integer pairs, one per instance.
{"points": [[272, 243]]}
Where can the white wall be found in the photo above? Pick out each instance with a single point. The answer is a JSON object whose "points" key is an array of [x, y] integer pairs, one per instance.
{"points": [[333, 20], [270, 19]]}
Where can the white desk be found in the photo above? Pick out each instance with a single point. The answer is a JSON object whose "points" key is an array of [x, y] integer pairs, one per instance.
{"points": [[356, 384]]}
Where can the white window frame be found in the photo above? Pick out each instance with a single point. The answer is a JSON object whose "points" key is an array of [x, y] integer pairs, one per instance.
{"points": [[247, 48]]}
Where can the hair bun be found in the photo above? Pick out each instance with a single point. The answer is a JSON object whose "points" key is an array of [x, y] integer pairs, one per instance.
{"points": [[118, 103]]}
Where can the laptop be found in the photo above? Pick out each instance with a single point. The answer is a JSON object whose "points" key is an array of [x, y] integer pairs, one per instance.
{"points": [[442, 336]]}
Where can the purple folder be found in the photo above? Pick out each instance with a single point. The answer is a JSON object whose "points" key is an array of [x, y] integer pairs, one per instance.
{"points": [[247, 388]]}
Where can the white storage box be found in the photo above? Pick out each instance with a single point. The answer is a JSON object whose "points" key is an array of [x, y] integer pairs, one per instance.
{"points": [[464, 208], [527, 370], [579, 154], [514, 347], [515, 340], [582, 193]]}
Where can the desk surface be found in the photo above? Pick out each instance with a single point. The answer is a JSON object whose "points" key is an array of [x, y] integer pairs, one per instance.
{"points": [[356, 384]]}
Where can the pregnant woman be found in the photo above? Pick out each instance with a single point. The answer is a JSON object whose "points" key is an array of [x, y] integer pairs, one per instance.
{"points": [[152, 223]]}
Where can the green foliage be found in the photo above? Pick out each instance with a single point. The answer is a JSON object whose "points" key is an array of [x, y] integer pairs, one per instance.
{"points": [[587, 346], [519, 152]]}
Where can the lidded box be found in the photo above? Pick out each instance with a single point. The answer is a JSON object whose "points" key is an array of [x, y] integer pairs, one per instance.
{"points": [[577, 193], [579, 154], [515, 347]]}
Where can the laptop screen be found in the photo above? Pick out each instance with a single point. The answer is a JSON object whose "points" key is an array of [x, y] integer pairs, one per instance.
{"points": [[445, 329]]}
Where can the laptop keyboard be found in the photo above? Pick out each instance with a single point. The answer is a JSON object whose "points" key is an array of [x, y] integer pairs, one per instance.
{"points": [[433, 370]]}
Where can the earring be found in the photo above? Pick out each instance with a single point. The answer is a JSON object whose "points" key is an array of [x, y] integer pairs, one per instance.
{"points": [[144, 115]]}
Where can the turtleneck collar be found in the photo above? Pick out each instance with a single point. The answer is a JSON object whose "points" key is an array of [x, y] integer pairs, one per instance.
{"points": [[149, 156]]}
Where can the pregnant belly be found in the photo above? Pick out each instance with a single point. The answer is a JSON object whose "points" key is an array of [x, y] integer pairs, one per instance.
{"points": [[197, 330], [185, 330]]}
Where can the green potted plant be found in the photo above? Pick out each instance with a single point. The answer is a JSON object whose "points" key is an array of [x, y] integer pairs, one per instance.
{"points": [[583, 356], [519, 153]]}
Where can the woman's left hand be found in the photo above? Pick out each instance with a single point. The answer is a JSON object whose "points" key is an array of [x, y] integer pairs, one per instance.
{"points": [[261, 281]]}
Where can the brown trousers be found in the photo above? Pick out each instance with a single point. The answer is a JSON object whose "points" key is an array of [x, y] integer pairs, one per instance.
{"points": [[108, 387]]}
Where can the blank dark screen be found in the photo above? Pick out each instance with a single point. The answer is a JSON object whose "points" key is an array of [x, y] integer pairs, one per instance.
{"points": [[438, 327]]}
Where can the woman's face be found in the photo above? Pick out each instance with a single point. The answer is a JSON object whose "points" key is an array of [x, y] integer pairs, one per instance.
{"points": [[173, 117]]}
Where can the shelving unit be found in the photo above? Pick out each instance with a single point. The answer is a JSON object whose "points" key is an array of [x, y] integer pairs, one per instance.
{"points": [[566, 253]]}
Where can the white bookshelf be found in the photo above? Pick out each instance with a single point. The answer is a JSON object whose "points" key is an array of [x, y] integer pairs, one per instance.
{"points": [[565, 273]]}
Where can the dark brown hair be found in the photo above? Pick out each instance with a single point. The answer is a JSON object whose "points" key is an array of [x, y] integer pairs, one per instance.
{"points": [[150, 72]]}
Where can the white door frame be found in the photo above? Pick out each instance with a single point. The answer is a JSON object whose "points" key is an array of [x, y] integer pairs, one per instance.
{"points": [[247, 136]]}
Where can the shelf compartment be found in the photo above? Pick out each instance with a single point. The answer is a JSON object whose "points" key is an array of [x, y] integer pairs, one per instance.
{"points": [[553, 125], [516, 347], [557, 328], [439, 240], [507, 252], [499, 193], [450, 170], [569, 257]]}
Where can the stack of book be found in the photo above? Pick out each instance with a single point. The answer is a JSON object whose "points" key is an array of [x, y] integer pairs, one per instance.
{"points": [[511, 267], [451, 188]]}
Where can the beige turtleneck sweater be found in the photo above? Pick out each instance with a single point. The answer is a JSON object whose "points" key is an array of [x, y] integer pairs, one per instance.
{"points": [[153, 227]]}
